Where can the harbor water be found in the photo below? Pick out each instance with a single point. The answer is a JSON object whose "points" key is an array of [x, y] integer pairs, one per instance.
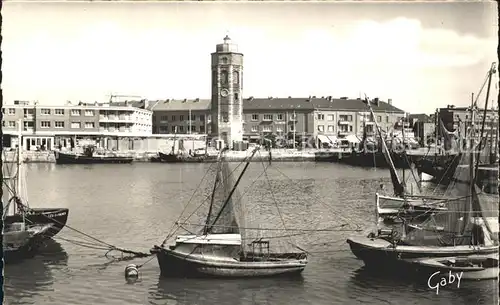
{"points": [[133, 206]]}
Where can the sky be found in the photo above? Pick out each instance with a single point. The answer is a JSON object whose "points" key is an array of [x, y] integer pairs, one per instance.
{"points": [[421, 55]]}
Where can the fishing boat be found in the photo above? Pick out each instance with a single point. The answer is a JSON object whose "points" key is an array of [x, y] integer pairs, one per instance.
{"points": [[21, 241], [224, 247], [179, 158], [472, 267], [452, 232], [90, 157], [408, 206], [16, 197], [403, 205]]}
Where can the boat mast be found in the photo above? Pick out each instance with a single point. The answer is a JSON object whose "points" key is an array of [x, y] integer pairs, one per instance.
{"points": [[472, 134], [19, 164], [492, 70], [436, 134], [404, 147], [205, 229], [209, 229], [399, 188], [175, 140]]}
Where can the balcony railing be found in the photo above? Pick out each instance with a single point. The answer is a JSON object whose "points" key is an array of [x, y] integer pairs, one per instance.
{"points": [[29, 116]]}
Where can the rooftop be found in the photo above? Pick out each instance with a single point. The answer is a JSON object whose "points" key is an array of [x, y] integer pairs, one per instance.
{"points": [[181, 105], [278, 103], [421, 117]]}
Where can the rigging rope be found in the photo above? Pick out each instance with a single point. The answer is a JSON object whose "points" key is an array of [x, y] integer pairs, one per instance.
{"points": [[276, 203], [317, 198], [173, 230]]}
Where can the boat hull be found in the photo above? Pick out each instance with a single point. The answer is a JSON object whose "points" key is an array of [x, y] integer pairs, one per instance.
{"points": [[55, 216], [428, 267], [26, 249], [63, 158], [171, 158], [173, 264], [379, 253], [376, 159]]}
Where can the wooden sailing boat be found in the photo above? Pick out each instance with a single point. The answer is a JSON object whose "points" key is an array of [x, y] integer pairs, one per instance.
{"points": [[20, 237], [18, 200], [402, 205], [444, 233], [221, 249], [178, 157]]}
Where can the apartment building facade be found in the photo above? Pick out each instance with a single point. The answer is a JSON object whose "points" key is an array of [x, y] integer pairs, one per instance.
{"points": [[289, 118], [185, 116], [47, 126]]}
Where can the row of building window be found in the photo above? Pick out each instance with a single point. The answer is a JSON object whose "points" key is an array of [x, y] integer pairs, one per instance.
{"points": [[60, 124], [321, 128], [201, 117], [48, 124], [73, 112], [174, 129]]}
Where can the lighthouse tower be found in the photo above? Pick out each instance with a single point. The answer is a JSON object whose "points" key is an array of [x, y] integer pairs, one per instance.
{"points": [[227, 88]]}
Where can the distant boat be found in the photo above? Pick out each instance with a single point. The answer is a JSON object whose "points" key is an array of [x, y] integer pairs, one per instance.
{"points": [[89, 157], [178, 158], [472, 267], [16, 200], [221, 249]]}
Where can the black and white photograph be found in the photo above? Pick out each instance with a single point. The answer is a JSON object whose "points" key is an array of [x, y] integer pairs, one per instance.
{"points": [[250, 152]]}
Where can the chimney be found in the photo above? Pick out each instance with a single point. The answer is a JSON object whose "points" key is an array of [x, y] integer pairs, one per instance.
{"points": [[389, 101]]}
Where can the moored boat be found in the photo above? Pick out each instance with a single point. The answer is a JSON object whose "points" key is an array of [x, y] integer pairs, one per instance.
{"points": [[89, 157], [178, 158], [57, 217], [407, 207], [467, 226], [471, 267], [224, 248], [16, 205], [183, 259], [21, 241]]}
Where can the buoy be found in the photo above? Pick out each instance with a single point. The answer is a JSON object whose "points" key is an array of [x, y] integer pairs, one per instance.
{"points": [[131, 272]]}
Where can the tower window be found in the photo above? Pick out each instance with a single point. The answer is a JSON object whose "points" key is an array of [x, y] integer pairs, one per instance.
{"points": [[236, 96], [236, 77], [223, 74]]}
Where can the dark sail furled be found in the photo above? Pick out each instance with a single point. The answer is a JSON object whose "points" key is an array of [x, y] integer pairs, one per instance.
{"points": [[449, 138]]}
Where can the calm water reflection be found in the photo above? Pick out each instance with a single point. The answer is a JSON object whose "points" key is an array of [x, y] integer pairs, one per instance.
{"points": [[134, 206]]}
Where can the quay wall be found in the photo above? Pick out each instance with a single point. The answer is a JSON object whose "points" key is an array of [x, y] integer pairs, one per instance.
{"points": [[292, 155]]}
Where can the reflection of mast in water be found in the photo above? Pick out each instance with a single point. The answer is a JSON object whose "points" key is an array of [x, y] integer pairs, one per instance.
{"points": [[22, 281]]}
